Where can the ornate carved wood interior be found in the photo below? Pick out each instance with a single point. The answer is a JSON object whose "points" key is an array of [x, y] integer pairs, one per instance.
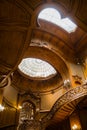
{"points": [[56, 91]]}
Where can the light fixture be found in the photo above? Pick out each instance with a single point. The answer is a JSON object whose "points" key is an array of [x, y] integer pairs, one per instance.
{"points": [[74, 127], [1, 107], [67, 83], [19, 107]]}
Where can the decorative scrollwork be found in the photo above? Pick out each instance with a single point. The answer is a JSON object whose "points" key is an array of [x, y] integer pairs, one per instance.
{"points": [[4, 81], [69, 96], [27, 118], [77, 79]]}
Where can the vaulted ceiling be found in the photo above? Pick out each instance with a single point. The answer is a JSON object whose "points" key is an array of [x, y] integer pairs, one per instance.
{"points": [[22, 35]]}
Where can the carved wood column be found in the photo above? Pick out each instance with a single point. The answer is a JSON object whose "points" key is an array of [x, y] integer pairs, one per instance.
{"points": [[27, 119]]}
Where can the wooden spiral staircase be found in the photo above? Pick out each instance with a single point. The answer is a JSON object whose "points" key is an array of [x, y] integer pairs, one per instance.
{"points": [[65, 105]]}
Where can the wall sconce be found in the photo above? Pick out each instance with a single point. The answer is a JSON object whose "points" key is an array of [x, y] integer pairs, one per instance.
{"points": [[75, 127], [1, 107], [67, 84], [19, 107]]}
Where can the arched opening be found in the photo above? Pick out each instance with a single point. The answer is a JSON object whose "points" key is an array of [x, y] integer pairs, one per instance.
{"points": [[52, 15]]}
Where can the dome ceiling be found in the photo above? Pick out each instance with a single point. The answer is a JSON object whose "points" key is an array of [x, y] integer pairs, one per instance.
{"points": [[36, 68], [23, 83]]}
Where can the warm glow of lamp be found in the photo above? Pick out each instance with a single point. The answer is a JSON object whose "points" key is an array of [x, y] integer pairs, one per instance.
{"points": [[74, 127], [1, 107], [19, 107], [67, 83]]}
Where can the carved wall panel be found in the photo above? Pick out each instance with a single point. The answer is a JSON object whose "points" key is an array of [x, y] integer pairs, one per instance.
{"points": [[81, 11], [10, 112]]}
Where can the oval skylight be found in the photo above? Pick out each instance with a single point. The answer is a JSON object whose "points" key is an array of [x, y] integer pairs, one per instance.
{"points": [[53, 16], [36, 68]]}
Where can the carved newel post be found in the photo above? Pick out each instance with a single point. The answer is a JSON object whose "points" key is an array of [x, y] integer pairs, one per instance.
{"points": [[27, 117]]}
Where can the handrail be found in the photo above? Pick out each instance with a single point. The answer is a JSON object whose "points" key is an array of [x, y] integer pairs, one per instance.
{"points": [[68, 97]]}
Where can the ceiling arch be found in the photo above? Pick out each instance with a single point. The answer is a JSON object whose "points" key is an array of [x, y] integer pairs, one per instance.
{"points": [[47, 55]]}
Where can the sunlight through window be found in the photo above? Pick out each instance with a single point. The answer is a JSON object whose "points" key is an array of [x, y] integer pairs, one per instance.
{"points": [[53, 16], [36, 68]]}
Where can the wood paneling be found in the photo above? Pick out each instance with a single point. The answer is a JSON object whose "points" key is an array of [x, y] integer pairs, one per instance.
{"points": [[8, 117], [11, 46], [33, 3], [10, 13], [67, 4], [81, 11]]}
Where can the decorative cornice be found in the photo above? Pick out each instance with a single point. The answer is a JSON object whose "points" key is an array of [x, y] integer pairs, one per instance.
{"points": [[30, 94]]}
